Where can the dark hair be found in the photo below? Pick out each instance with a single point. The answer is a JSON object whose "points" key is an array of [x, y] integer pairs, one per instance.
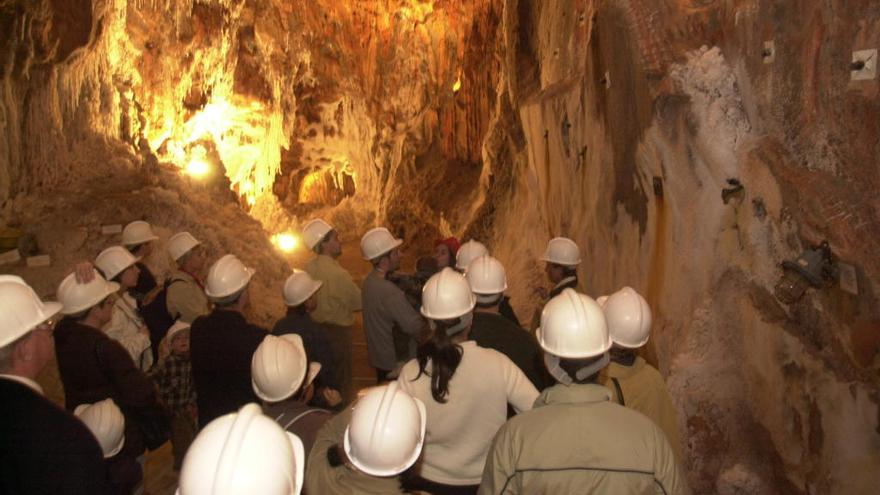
{"points": [[229, 300], [136, 248], [378, 259], [445, 357], [299, 310], [567, 271]]}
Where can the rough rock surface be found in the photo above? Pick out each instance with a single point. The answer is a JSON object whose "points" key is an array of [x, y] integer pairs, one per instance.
{"points": [[615, 122]]}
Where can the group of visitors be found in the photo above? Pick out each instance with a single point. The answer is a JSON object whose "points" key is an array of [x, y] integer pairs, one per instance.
{"points": [[467, 400]]}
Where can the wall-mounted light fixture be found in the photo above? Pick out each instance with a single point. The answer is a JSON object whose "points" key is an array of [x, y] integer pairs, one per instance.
{"points": [[815, 267]]}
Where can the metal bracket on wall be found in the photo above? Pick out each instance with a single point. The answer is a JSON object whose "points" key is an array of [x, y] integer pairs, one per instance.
{"points": [[769, 52], [864, 65]]}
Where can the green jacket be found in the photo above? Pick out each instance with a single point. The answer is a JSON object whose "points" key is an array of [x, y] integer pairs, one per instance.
{"points": [[644, 390], [338, 297], [576, 441]]}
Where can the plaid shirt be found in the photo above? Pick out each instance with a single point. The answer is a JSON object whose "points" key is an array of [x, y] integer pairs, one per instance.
{"points": [[173, 378]]}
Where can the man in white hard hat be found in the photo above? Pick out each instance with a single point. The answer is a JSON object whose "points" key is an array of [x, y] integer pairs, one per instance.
{"points": [[488, 281], [366, 448], [186, 298], [575, 440], [633, 382], [38, 436], [338, 299], [106, 421], [94, 367], [223, 342], [385, 305], [561, 259], [138, 238], [243, 452], [300, 296], [282, 377]]}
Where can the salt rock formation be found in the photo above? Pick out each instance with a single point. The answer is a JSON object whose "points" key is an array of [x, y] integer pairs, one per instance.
{"points": [[688, 146]]}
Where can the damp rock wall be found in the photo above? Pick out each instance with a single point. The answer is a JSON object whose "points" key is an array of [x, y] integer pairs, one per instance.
{"points": [[626, 122]]}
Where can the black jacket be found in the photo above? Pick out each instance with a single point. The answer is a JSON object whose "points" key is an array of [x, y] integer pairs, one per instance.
{"points": [[494, 331], [571, 284], [44, 449], [94, 367], [146, 282], [316, 342], [222, 344]]}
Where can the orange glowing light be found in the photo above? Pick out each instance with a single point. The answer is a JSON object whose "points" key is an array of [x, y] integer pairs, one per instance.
{"points": [[285, 241], [198, 164], [457, 86]]}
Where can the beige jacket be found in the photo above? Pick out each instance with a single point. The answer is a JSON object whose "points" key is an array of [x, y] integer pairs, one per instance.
{"points": [[321, 478], [186, 300], [644, 390], [339, 297], [576, 441]]}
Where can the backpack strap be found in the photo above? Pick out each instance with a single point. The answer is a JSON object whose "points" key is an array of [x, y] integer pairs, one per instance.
{"points": [[298, 417], [619, 391]]}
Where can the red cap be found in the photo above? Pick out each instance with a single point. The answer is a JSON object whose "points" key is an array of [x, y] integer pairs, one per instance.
{"points": [[450, 242]]}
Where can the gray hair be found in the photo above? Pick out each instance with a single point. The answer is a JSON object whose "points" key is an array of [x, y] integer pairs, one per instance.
{"points": [[8, 350]]}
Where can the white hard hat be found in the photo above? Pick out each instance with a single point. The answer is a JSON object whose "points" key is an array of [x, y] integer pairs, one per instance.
{"points": [[314, 232], [180, 244], [243, 452], [176, 328], [227, 276], [279, 367], [137, 232], [386, 432], [114, 260], [77, 297], [106, 422], [447, 295], [562, 251], [573, 326], [469, 251], [377, 242], [486, 276], [21, 310], [299, 287], [629, 318]]}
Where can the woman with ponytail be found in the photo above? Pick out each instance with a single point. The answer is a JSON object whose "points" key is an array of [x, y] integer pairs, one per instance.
{"points": [[465, 388]]}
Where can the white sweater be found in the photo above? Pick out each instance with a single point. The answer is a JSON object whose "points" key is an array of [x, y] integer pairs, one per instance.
{"points": [[459, 432], [124, 327]]}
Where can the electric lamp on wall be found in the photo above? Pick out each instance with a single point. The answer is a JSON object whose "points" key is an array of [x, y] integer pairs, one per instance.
{"points": [[815, 268], [285, 241]]}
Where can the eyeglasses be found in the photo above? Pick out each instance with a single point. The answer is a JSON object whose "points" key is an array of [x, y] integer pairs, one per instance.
{"points": [[48, 326]]}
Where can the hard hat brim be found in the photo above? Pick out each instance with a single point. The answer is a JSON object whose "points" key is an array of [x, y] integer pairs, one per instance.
{"points": [[296, 302], [394, 244], [215, 295], [143, 240], [113, 275], [109, 289]]}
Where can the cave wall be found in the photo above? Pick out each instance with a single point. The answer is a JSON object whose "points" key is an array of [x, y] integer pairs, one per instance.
{"points": [[630, 118], [615, 122]]}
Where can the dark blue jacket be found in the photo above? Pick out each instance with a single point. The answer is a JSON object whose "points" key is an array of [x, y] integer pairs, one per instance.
{"points": [[315, 340]]}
